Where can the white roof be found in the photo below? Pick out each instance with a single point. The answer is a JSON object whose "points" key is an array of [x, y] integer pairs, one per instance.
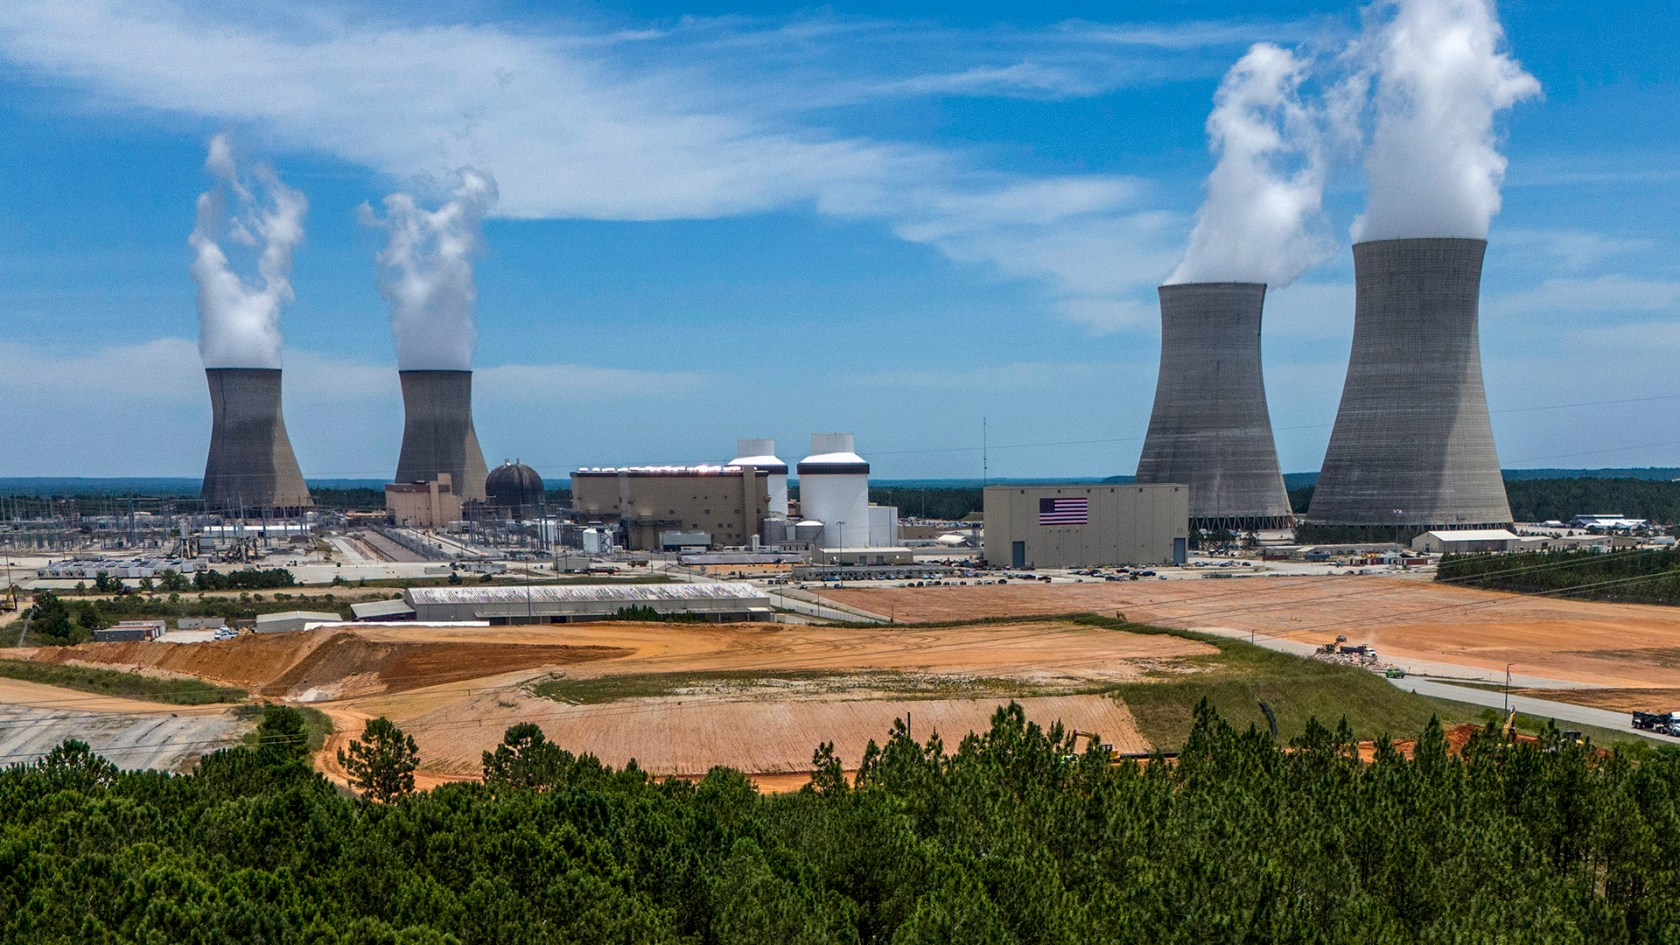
{"points": [[1475, 534], [305, 615], [833, 458], [756, 461], [582, 593]]}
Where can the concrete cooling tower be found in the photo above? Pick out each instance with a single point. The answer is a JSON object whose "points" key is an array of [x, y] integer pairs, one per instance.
{"points": [[251, 464], [1412, 445], [1210, 428], [438, 435], [761, 454], [834, 490]]}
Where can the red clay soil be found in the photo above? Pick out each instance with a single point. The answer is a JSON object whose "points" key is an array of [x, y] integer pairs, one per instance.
{"points": [[277, 664]]}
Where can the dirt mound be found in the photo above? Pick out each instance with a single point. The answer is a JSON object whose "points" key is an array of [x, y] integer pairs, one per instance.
{"points": [[341, 661]]}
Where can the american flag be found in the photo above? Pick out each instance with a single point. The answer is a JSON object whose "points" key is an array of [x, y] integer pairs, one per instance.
{"points": [[1063, 511]]}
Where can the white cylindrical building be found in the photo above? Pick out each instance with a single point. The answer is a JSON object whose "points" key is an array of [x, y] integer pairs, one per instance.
{"points": [[761, 454], [834, 490]]}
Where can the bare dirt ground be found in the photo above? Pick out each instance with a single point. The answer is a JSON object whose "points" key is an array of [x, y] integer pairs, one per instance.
{"points": [[1622, 646], [132, 733], [457, 689]]}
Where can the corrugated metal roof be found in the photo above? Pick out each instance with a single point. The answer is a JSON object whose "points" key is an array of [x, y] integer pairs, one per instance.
{"points": [[380, 608], [583, 593], [1475, 534]]}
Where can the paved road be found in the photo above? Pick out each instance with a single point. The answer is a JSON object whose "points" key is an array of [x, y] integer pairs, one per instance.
{"points": [[1563, 712]]}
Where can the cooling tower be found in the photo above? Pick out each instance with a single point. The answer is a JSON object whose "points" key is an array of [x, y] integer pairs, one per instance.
{"points": [[251, 464], [1209, 428], [438, 434], [834, 490], [1412, 445], [761, 454]]}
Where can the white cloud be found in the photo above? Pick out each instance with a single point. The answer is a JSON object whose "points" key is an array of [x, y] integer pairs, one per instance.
{"points": [[1569, 250], [707, 118], [1587, 298]]}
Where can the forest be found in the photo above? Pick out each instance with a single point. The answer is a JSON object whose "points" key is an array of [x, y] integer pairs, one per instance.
{"points": [[1545, 500], [1631, 575], [1013, 837]]}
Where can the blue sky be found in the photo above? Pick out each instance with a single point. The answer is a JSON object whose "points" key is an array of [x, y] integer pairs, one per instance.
{"points": [[721, 221]]}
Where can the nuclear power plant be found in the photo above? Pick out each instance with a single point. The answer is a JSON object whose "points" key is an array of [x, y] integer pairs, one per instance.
{"points": [[1412, 445], [761, 454], [251, 464], [438, 435], [1210, 428]]}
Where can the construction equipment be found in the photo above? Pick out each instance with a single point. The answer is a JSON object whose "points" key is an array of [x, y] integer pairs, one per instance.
{"points": [[1091, 739], [1508, 731], [1662, 723], [1329, 649], [1271, 719]]}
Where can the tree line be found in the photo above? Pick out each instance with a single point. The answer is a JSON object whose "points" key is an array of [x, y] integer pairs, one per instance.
{"points": [[1013, 837], [1650, 577]]}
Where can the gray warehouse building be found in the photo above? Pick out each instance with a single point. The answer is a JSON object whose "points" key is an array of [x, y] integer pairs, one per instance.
{"points": [[1074, 526], [552, 603]]}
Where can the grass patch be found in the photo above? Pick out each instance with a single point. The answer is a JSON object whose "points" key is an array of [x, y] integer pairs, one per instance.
{"points": [[111, 682], [602, 689], [317, 724]]}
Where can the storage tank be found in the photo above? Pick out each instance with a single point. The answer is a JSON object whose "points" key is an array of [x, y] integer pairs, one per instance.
{"points": [[1209, 428], [1413, 445], [761, 454], [834, 489], [251, 465]]}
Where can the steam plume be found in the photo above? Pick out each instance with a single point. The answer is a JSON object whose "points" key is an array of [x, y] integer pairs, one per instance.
{"points": [[1441, 75], [426, 273], [1263, 218], [239, 323]]}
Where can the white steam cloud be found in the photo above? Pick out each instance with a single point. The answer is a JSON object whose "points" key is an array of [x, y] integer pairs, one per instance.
{"points": [[426, 273], [239, 322], [1263, 219], [1441, 75]]}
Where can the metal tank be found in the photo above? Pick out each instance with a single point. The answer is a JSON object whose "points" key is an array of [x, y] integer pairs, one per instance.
{"points": [[1210, 428], [1413, 445], [834, 490], [438, 435], [761, 454], [251, 465]]}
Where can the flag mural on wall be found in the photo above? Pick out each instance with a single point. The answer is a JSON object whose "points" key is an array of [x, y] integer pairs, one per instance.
{"points": [[1064, 511]]}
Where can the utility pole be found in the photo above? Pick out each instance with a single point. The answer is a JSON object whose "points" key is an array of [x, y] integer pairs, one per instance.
{"points": [[1507, 688]]}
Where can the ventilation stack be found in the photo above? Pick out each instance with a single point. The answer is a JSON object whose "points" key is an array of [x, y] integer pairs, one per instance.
{"points": [[1210, 428], [834, 490], [1413, 445], [251, 464], [438, 435], [761, 454]]}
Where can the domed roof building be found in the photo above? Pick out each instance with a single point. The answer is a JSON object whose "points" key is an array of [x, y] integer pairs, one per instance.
{"points": [[514, 488]]}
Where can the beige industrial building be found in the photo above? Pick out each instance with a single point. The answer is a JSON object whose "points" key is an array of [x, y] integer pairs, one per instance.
{"points": [[1086, 526], [431, 504], [727, 503], [1466, 541]]}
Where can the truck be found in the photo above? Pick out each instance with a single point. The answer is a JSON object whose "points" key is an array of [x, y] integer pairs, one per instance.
{"points": [[1662, 723]]}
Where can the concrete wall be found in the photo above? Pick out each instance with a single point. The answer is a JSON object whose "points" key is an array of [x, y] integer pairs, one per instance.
{"points": [[729, 505], [1412, 443], [1210, 428], [251, 463], [438, 434], [1127, 524]]}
